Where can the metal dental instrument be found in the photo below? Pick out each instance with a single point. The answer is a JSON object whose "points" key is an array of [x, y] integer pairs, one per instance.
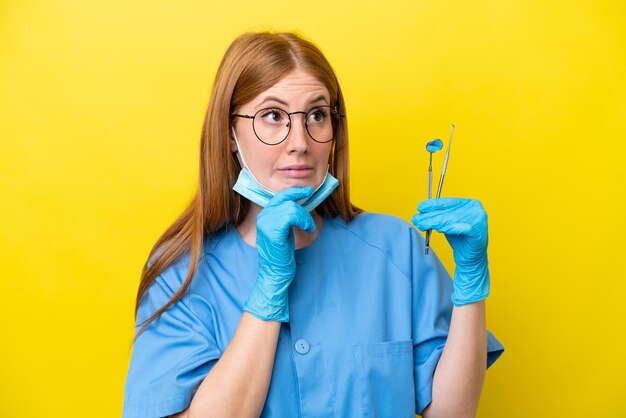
{"points": [[443, 174], [432, 147]]}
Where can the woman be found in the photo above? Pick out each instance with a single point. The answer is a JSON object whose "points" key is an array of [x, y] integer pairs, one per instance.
{"points": [[272, 295]]}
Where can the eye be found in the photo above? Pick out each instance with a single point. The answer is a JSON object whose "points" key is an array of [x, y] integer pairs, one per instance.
{"points": [[273, 116], [318, 115]]}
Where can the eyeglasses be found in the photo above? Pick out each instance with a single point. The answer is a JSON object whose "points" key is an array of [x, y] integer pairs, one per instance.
{"points": [[272, 125]]}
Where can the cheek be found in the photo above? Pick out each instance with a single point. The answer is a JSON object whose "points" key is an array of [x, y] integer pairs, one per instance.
{"points": [[263, 158], [325, 153]]}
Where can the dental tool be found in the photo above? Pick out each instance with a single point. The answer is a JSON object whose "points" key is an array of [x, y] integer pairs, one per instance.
{"points": [[443, 174], [432, 147]]}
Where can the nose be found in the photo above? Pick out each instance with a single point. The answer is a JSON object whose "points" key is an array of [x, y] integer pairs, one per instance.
{"points": [[298, 138]]}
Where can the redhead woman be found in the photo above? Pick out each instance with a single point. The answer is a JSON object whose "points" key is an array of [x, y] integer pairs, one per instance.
{"points": [[272, 295]]}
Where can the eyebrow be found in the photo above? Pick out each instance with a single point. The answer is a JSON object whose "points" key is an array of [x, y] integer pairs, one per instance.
{"points": [[276, 99]]}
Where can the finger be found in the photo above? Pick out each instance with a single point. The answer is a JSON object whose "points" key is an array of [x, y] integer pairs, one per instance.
{"points": [[288, 214], [302, 219], [441, 203], [455, 229], [441, 224], [291, 193]]}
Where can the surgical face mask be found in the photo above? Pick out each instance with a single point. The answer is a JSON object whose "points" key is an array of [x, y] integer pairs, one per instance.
{"points": [[252, 189]]}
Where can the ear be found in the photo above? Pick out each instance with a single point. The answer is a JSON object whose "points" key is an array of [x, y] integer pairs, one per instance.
{"points": [[233, 144]]}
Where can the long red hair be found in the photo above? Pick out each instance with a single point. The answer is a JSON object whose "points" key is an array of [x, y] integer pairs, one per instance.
{"points": [[254, 62]]}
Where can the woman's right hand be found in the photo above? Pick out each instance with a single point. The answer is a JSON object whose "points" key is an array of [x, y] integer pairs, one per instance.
{"points": [[276, 247]]}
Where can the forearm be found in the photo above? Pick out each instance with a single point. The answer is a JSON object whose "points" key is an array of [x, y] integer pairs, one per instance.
{"points": [[460, 372], [237, 384]]}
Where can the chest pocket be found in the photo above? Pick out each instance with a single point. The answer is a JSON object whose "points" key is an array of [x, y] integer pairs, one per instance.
{"points": [[385, 379]]}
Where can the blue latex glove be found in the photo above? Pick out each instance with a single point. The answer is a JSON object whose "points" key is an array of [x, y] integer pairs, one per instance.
{"points": [[276, 247], [464, 223]]}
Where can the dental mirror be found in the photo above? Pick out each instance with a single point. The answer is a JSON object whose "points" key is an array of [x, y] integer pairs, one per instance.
{"points": [[432, 147]]}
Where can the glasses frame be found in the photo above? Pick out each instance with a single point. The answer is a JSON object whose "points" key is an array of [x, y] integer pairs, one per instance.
{"points": [[334, 111]]}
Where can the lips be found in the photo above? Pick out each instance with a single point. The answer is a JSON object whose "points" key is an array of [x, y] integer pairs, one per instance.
{"points": [[297, 167], [296, 170]]}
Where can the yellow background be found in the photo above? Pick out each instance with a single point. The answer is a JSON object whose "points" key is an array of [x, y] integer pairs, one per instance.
{"points": [[101, 105]]}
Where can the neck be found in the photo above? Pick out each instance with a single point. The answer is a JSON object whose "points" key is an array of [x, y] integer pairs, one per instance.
{"points": [[247, 229]]}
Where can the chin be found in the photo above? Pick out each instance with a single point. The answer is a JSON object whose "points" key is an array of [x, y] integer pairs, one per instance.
{"points": [[299, 183], [291, 182]]}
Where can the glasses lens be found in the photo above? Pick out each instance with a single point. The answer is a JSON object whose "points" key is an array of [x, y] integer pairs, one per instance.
{"points": [[321, 124], [271, 125]]}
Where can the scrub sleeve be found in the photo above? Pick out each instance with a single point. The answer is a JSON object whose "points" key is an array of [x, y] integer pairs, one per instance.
{"points": [[170, 358]]}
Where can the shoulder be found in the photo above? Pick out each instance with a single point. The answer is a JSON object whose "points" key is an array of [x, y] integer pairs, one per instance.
{"points": [[174, 275]]}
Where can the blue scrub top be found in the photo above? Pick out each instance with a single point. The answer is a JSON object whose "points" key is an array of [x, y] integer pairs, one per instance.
{"points": [[369, 317]]}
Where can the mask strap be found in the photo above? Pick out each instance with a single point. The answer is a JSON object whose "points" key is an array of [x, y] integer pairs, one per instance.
{"points": [[239, 151], [245, 166]]}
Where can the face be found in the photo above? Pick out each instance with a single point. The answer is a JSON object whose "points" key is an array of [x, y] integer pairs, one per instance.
{"points": [[298, 160]]}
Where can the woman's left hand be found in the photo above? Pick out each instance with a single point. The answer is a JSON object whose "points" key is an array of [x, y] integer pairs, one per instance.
{"points": [[464, 223]]}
